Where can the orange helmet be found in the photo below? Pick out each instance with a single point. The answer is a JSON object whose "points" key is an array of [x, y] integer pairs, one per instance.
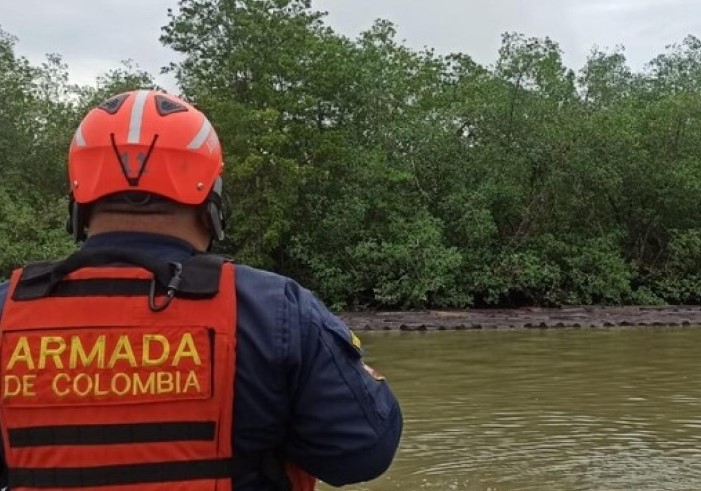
{"points": [[148, 142]]}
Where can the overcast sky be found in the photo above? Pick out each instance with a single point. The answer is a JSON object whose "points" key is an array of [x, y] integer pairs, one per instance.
{"points": [[93, 36]]}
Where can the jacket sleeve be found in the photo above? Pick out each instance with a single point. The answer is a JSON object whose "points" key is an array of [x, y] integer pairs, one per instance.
{"points": [[345, 422]]}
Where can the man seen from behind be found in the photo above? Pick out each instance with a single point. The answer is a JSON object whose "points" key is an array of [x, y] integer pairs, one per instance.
{"points": [[142, 362]]}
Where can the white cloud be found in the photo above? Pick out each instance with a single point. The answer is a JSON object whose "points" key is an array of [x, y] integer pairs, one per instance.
{"points": [[94, 36], [91, 36]]}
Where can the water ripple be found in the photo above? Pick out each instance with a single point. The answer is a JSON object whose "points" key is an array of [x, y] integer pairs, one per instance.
{"points": [[554, 411]]}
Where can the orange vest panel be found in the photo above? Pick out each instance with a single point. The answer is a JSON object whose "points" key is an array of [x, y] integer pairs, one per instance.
{"points": [[100, 390]]}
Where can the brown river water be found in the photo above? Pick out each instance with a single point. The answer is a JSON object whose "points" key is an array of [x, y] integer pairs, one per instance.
{"points": [[543, 410]]}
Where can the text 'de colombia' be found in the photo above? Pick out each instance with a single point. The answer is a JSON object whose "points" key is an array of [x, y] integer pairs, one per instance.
{"points": [[108, 366]]}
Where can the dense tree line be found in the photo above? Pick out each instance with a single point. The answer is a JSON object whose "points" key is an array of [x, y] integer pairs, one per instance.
{"points": [[383, 176]]}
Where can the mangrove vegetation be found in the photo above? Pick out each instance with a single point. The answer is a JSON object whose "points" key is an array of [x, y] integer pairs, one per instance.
{"points": [[383, 176]]}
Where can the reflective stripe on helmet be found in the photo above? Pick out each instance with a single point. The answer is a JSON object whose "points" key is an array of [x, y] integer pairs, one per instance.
{"points": [[79, 138], [201, 135], [137, 116]]}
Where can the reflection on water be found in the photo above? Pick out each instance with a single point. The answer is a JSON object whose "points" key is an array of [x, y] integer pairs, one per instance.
{"points": [[564, 410]]}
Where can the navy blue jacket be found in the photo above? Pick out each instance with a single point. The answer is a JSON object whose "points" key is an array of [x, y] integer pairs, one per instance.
{"points": [[300, 383]]}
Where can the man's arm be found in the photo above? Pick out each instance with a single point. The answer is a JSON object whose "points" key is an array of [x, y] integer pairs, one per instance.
{"points": [[346, 423]]}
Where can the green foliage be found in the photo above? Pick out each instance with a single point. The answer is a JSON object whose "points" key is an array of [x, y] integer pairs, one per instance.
{"points": [[123, 79], [680, 281], [382, 176], [411, 267], [39, 111], [553, 271], [31, 230]]}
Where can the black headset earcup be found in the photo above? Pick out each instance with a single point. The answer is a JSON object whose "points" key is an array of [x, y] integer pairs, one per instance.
{"points": [[69, 224], [215, 211], [75, 225], [216, 220]]}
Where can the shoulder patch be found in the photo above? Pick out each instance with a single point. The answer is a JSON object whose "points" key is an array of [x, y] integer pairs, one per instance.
{"points": [[355, 341], [343, 336], [373, 373]]}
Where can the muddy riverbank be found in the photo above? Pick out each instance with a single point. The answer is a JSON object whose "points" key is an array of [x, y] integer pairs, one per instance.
{"points": [[526, 318]]}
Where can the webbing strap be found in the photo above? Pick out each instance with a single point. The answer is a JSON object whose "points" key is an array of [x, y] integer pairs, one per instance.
{"points": [[112, 475], [111, 434], [199, 276], [99, 287]]}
